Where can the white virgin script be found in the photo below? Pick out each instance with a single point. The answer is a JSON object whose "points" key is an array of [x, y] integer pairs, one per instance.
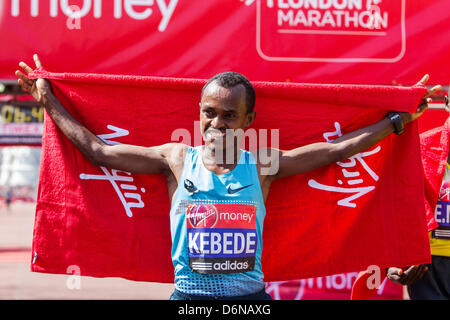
{"points": [[122, 184], [197, 217], [353, 178]]}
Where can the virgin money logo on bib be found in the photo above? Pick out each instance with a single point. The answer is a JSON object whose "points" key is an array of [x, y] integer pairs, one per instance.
{"points": [[331, 30], [202, 215], [222, 237], [444, 194]]}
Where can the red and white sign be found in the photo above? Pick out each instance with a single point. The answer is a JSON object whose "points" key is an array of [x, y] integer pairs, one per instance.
{"points": [[317, 41], [333, 287], [326, 24]]}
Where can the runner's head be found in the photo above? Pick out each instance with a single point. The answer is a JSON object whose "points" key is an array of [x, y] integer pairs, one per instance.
{"points": [[227, 102]]}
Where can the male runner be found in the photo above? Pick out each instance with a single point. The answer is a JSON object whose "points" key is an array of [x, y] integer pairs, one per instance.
{"points": [[217, 210]]}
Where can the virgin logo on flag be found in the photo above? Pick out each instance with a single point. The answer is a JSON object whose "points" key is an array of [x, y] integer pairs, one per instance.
{"points": [[121, 181], [351, 172]]}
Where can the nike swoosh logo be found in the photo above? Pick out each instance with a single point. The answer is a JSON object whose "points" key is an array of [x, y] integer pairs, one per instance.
{"points": [[231, 191]]}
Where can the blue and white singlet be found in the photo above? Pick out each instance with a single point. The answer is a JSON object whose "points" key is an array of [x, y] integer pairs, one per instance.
{"points": [[216, 224]]}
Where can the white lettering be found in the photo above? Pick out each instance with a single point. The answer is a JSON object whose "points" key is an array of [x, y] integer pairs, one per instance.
{"points": [[341, 6], [76, 14], [250, 243], [351, 162], [295, 5], [349, 19], [216, 246], [34, 8], [73, 23], [357, 4], [204, 242], [331, 14], [54, 8], [374, 280], [15, 8], [438, 212], [338, 281], [313, 18], [97, 8], [117, 9], [281, 4], [328, 19], [192, 243], [238, 250], [319, 4], [166, 8], [166, 12], [285, 17], [74, 280], [447, 218], [246, 217], [227, 243], [128, 4], [359, 192], [325, 4], [310, 3], [114, 176]]}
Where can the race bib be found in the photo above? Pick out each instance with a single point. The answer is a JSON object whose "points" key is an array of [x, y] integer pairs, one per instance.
{"points": [[222, 237], [442, 213], [442, 216]]}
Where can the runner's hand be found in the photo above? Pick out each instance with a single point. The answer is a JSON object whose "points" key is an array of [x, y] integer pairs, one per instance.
{"points": [[408, 276], [38, 88], [408, 117]]}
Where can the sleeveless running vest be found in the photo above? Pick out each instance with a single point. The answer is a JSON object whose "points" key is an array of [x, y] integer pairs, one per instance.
{"points": [[216, 224]]}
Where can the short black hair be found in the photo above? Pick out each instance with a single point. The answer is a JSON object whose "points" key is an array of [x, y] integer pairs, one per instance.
{"points": [[231, 79]]}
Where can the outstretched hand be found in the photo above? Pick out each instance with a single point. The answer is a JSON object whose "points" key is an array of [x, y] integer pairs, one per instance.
{"points": [[38, 88], [408, 117], [408, 276]]}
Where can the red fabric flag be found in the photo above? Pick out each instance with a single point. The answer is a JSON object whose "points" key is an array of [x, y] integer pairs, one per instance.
{"points": [[343, 217], [434, 146]]}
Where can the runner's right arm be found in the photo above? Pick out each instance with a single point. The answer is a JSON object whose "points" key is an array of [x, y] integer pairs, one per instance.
{"points": [[135, 159]]}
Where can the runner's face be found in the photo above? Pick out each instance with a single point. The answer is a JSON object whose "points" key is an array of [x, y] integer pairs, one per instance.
{"points": [[221, 109]]}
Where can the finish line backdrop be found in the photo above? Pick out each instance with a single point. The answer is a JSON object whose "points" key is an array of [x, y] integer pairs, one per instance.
{"points": [[318, 41]]}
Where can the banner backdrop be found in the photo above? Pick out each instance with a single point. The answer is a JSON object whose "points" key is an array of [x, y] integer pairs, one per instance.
{"points": [[318, 41], [367, 209], [332, 287]]}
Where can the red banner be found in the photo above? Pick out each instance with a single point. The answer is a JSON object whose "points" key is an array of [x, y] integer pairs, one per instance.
{"points": [[87, 216], [332, 287], [319, 41]]}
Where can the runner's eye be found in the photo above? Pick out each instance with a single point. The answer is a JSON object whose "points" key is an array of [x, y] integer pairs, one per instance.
{"points": [[229, 116], [209, 113]]}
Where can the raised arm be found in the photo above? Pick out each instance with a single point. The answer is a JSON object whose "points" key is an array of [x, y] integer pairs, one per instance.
{"points": [[313, 156], [135, 159]]}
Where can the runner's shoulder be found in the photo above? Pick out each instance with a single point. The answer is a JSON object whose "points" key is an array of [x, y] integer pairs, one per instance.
{"points": [[174, 155], [174, 152]]}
